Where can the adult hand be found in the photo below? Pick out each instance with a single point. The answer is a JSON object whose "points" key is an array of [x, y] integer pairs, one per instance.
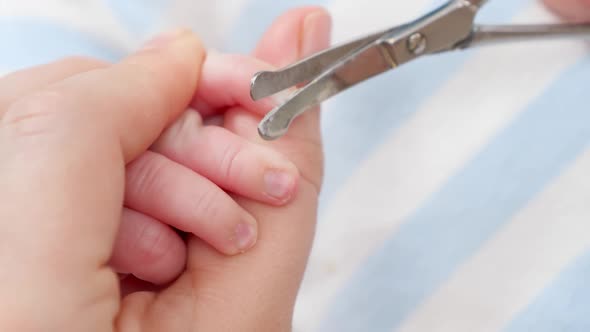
{"points": [[63, 153]]}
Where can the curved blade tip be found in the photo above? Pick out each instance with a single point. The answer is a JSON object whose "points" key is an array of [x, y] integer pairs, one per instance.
{"points": [[265, 135], [268, 133], [257, 88]]}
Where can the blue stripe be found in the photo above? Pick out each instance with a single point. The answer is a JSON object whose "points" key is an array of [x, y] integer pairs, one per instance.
{"points": [[256, 17], [29, 42], [564, 306], [362, 118], [468, 210]]}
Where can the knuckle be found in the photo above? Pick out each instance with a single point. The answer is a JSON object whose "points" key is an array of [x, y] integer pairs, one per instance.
{"points": [[229, 164], [214, 296], [188, 123], [207, 205], [36, 114], [308, 157], [145, 175], [313, 168], [181, 133], [151, 244]]}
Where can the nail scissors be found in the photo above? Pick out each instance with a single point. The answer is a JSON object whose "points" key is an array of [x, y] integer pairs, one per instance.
{"points": [[449, 27]]}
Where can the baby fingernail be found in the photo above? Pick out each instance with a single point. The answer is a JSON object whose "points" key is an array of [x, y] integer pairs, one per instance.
{"points": [[245, 236], [279, 185]]}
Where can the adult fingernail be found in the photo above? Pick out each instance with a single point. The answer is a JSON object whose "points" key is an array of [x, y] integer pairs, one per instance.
{"points": [[280, 185], [245, 235], [317, 31], [164, 39]]}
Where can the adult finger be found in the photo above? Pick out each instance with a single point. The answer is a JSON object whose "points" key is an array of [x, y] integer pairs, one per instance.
{"points": [[574, 10], [148, 249], [168, 191], [63, 152], [144, 247], [23, 82], [228, 160]]}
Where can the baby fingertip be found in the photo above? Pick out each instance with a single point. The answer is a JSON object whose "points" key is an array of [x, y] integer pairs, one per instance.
{"points": [[246, 234], [280, 185]]}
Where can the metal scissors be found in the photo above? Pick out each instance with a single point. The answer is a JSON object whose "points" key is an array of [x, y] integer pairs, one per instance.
{"points": [[447, 28]]}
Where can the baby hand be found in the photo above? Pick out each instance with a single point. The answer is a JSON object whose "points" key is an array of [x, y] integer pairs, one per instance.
{"points": [[186, 182], [229, 153], [223, 99]]}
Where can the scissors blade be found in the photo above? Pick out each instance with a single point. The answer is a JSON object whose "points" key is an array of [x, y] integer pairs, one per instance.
{"points": [[439, 30], [370, 61], [268, 83]]}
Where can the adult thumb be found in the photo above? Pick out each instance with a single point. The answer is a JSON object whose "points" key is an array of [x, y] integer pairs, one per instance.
{"points": [[63, 151]]}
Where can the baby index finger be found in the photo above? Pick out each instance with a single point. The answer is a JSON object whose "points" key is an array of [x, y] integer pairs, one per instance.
{"points": [[230, 161], [225, 83], [169, 192]]}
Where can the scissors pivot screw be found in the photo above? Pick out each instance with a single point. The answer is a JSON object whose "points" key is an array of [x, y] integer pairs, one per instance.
{"points": [[450, 27], [417, 43]]}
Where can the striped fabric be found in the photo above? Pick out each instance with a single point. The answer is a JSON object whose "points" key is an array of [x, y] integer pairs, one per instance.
{"points": [[457, 195]]}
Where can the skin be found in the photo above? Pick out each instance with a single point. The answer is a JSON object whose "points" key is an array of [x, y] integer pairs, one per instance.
{"points": [[161, 192], [66, 155], [66, 158], [573, 10]]}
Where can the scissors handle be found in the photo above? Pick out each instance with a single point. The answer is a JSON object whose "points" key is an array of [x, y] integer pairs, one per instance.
{"points": [[496, 34]]}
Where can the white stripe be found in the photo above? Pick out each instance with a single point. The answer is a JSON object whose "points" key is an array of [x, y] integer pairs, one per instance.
{"points": [[314, 295], [453, 125], [87, 16], [354, 19], [210, 20], [514, 266]]}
